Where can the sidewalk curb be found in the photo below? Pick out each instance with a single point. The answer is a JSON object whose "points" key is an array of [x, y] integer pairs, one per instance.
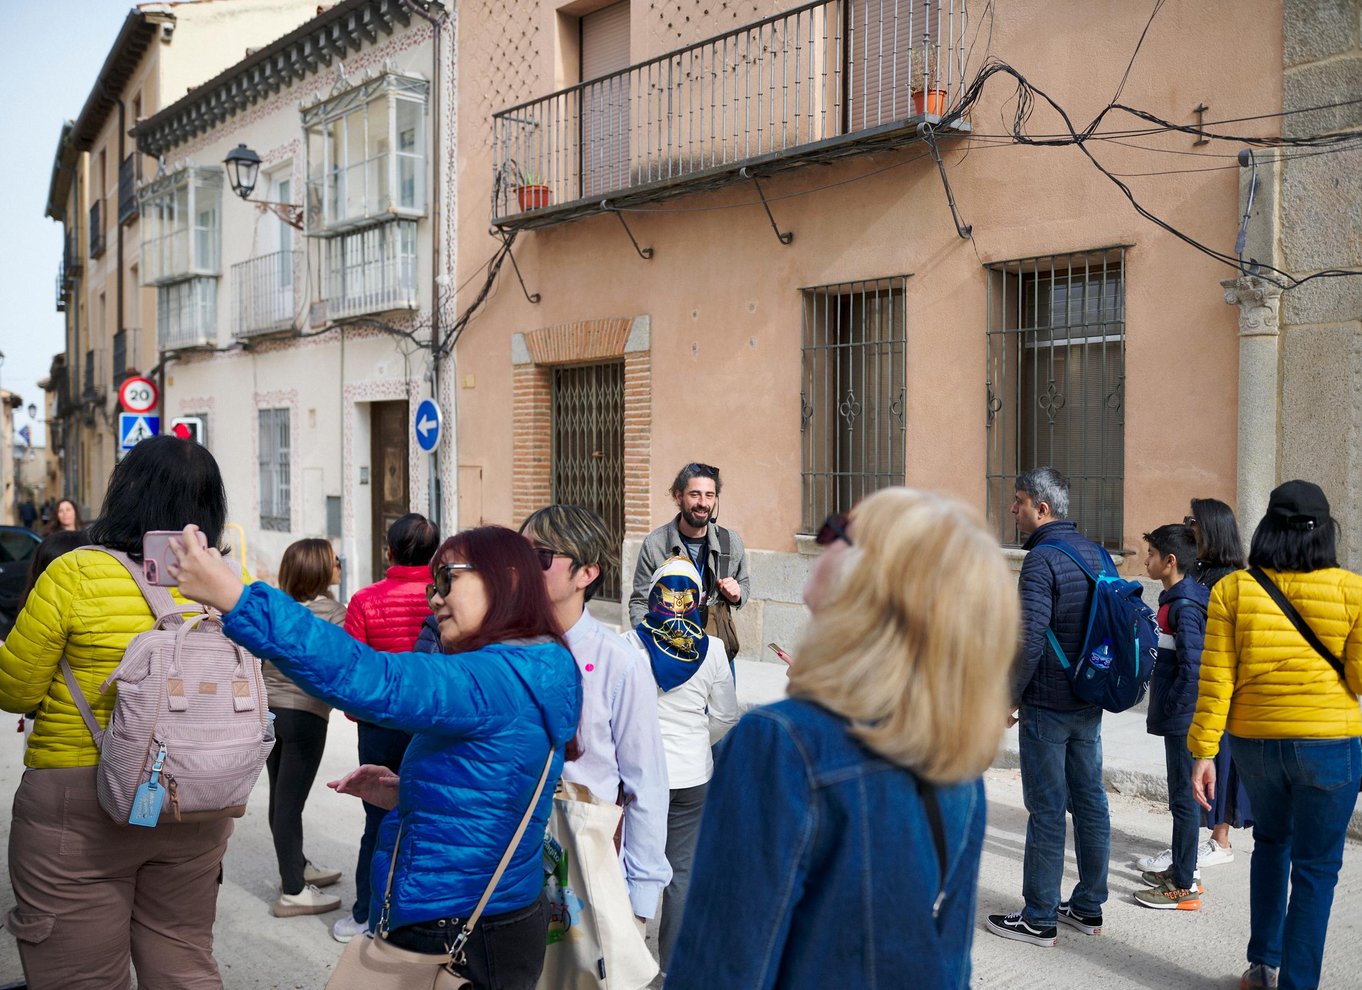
{"points": [[1149, 786]]}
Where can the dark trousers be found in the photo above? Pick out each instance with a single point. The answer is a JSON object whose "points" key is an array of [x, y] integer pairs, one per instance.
{"points": [[505, 951], [684, 811], [299, 739], [1186, 812], [385, 748]]}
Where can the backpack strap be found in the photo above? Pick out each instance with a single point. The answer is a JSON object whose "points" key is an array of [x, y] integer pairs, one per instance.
{"points": [[1107, 570], [1302, 627], [725, 549], [927, 794], [159, 600], [82, 705]]}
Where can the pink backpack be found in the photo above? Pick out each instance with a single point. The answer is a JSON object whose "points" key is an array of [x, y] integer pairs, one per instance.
{"points": [[191, 718]]}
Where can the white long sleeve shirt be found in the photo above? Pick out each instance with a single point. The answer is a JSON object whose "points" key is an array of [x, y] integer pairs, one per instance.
{"points": [[622, 743], [694, 715]]}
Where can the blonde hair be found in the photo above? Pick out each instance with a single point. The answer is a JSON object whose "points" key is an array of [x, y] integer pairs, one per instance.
{"points": [[914, 642]]}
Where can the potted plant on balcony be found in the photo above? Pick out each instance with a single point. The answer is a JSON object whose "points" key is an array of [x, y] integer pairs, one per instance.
{"points": [[929, 101], [532, 194]]}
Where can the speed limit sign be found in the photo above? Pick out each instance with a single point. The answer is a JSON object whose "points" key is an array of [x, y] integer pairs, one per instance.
{"points": [[137, 395]]}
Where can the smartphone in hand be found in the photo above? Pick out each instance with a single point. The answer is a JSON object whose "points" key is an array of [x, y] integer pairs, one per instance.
{"points": [[779, 652], [156, 554]]}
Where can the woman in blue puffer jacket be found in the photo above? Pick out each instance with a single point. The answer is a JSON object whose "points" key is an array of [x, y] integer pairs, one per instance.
{"points": [[484, 716]]}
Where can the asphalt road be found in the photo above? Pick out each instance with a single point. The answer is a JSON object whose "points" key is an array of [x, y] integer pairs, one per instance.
{"points": [[1139, 948]]}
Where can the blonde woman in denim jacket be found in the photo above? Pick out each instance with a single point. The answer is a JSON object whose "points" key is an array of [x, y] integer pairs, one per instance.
{"points": [[900, 687]]}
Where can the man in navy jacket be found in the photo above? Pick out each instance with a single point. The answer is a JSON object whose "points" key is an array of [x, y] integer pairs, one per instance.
{"points": [[1060, 738]]}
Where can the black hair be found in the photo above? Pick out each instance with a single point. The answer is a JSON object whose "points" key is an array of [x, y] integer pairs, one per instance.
{"points": [[1175, 540], [413, 540], [1218, 543], [52, 547], [164, 482], [1286, 546], [696, 470]]}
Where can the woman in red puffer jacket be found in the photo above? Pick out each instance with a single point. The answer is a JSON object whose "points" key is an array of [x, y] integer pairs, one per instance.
{"points": [[387, 615]]}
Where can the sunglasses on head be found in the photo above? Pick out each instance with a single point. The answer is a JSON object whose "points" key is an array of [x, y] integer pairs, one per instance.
{"points": [[834, 528], [1189, 520], [444, 578]]}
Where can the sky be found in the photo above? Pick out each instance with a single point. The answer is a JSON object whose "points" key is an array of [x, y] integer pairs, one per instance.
{"points": [[47, 79]]}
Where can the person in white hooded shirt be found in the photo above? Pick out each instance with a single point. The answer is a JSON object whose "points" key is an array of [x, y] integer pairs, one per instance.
{"points": [[696, 704]]}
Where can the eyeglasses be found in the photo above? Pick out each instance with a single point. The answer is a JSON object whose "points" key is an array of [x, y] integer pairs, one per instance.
{"points": [[834, 528], [546, 555], [1189, 520], [443, 580]]}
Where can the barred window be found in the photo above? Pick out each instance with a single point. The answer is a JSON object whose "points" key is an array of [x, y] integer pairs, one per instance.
{"points": [[853, 395], [1056, 384], [274, 469]]}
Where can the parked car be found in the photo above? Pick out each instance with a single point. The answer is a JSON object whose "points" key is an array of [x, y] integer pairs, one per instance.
{"points": [[17, 544]]}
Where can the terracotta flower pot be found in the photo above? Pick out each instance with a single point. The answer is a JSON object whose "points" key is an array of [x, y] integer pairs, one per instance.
{"points": [[931, 101], [533, 197]]}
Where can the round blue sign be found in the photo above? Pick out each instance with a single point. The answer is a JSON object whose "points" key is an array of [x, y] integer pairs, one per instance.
{"points": [[427, 425]]}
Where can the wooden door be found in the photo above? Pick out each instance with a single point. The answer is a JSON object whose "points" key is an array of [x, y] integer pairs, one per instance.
{"points": [[390, 482]]}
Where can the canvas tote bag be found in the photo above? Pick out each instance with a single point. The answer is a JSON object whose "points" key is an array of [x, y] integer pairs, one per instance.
{"points": [[594, 943]]}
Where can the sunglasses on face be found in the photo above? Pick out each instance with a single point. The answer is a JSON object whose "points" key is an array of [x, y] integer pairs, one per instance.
{"points": [[834, 528], [444, 578], [546, 555]]}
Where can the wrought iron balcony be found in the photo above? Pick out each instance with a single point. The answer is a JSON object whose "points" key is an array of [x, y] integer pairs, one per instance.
{"points": [[96, 228], [263, 290], [127, 189], [61, 288], [371, 270], [822, 81], [71, 258], [127, 357]]}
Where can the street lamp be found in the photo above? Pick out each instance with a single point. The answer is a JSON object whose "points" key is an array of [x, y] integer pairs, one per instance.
{"points": [[243, 169]]}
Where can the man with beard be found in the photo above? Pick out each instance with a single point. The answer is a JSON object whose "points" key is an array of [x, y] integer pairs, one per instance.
{"points": [[723, 569]]}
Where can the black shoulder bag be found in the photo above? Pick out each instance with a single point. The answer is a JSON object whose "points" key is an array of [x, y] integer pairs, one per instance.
{"points": [[927, 794], [719, 618], [1301, 625]]}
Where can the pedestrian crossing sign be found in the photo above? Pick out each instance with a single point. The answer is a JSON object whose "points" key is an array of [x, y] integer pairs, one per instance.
{"points": [[135, 427]]}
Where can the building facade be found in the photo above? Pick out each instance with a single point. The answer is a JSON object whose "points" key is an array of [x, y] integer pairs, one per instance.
{"points": [[161, 51], [757, 235], [296, 331]]}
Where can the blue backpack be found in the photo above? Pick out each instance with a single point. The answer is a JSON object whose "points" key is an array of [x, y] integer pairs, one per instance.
{"points": [[1121, 642]]}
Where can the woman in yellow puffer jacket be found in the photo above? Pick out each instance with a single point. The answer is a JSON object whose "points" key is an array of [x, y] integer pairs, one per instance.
{"points": [[92, 894], [1293, 721]]}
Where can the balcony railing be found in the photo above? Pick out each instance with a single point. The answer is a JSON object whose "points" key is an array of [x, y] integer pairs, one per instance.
{"points": [[61, 288], [822, 80], [96, 228], [127, 189], [371, 270], [263, 290], [187, 314]]}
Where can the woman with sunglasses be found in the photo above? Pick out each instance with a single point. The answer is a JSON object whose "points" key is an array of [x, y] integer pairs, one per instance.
{"points": [[484, 715], [859, 800], [696, 705]]}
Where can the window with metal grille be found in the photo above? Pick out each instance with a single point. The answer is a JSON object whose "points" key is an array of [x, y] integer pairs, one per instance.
{"points": [[852, 400], [1056, 384], [274, 469], [588, 448]]}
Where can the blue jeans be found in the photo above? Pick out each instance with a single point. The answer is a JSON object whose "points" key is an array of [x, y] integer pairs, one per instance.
{"points": [[384, 747], [1061, 768], [1184, 809], [1303, 792]]}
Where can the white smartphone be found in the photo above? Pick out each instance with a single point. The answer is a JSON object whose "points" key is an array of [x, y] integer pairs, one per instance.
{"points": [[156, 555]]}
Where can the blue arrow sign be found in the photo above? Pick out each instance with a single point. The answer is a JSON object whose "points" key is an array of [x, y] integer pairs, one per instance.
{"points": [[427, 425], [135, 427]]}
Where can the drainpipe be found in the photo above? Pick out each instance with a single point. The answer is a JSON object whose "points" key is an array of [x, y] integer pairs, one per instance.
{"points": [[118, 168], [435, 509]]}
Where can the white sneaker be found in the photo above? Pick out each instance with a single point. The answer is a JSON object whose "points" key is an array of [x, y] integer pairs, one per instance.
{"points": [[320, 876], [347, 928], [309, 900], [1156, 864], [1212, 853]]}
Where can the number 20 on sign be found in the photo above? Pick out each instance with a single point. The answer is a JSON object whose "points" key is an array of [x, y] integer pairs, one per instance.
{"points": [[138, 395]]}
